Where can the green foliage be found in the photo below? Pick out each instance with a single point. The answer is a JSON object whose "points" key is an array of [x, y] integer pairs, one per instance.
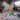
{"points": [[1, 0], [9, 1]]}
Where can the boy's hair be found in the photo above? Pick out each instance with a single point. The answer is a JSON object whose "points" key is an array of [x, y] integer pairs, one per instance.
{"points": [[3, 7]]}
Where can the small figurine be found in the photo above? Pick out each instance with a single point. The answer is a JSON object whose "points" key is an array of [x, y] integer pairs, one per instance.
{"points": [[10, 10]]}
